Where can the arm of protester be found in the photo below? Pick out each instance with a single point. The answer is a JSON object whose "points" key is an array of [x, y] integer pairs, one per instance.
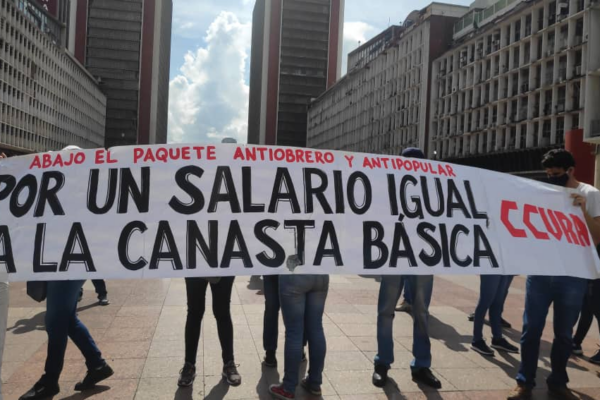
{"points": [[592, 221]]}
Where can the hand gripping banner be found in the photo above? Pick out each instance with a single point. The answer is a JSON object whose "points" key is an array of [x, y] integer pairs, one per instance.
{"points": [[179, 211]]}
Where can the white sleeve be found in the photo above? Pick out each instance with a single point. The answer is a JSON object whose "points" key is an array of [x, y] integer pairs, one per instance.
{"points": [[593, 203]]}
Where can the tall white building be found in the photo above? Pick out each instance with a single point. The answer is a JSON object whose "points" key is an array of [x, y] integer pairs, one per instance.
{"points": [[519, 75], [381, 105], [48, 100]]}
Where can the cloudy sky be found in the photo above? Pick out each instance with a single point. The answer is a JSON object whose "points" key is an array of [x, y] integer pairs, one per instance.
{"points": [[208, 98]]}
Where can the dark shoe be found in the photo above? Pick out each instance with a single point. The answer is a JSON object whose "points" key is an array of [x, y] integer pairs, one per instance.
{"points": [[103, 300], [520, 393], [561, 393], [505, 324], [595, 359], [93, 377], [41, 390], [270, 360], [279, 392], [80, 295], [426, 377], [313, 390], [503, 345], [577, 350], [231, 374], [482, 348], [404, 307], [380, 375], [187, 375], [471, 317]]}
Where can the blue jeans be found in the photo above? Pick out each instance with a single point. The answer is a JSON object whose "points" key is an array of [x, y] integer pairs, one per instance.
{"points": [[405, 288], [421, 287], [302, 305], [271, 315], [62, 323], [492, 294], [567, 295]]}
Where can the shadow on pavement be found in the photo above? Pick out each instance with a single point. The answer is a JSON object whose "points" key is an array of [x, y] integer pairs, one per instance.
{"points": [[35, 323], [218, 391], [88, 393]]}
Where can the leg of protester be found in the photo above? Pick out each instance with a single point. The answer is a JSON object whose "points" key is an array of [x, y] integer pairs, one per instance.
{"points": [[389, 293], [61, 323], [421, 291]]}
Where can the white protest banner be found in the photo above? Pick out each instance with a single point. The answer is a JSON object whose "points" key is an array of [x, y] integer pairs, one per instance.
{"points": [[188, 210]]}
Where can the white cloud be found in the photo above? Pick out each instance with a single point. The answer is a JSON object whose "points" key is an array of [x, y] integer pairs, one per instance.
{"points": [[355, 33], [208, 99]]}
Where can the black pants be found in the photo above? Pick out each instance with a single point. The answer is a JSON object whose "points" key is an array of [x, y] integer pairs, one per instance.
{"points": [[100, 287], [196, 301], [591, 308]]}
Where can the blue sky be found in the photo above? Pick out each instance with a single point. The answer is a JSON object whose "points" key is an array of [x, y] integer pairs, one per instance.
{"points": [[210, 54]]}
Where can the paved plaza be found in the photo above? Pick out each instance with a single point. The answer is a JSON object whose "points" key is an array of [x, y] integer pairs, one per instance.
{"points": [[141, 336]]}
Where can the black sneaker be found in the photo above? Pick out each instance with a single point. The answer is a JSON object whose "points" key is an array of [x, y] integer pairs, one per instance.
{"points": [[103, 300], [313, 390], [93, 377], [595, 359], [482, 348], [380, 375], [187, 375], [41, 390], [80, 295], [505, 324], [577, 350], [503, 345], [471, 317], [231, 375], [270, 360]]}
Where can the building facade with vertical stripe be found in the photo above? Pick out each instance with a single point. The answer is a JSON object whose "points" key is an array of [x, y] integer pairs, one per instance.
{"points": [[126, 45], [296, 56]]}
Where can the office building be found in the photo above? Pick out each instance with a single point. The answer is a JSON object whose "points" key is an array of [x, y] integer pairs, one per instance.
{"points": [[48, 100], [520, 76], [381, 105], [127, 45], [296, 55]]}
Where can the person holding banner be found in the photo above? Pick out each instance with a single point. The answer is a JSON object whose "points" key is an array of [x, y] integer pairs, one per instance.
{"points": [[302, 306], [3, 306], [221, 288], [420, 289], [591, 309], [564, 291], [62, 323], [271, 321], [492, 294]]}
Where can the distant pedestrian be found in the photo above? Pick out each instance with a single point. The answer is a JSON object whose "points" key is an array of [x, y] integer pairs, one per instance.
{"points": [[101, 292]]}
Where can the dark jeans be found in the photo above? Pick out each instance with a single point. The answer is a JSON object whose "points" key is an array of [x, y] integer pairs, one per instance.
{"points": [[419, 294], [567, 295], [492, 295], [591, 308], [196, 302], [62, 323], [271, 316], [302, 305]]}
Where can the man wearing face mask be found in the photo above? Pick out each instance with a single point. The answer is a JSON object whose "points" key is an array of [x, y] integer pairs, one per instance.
{"points": [[565, 292]]}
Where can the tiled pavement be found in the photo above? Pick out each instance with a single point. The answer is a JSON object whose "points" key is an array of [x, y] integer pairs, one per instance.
{"points": [[141, 335]]}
